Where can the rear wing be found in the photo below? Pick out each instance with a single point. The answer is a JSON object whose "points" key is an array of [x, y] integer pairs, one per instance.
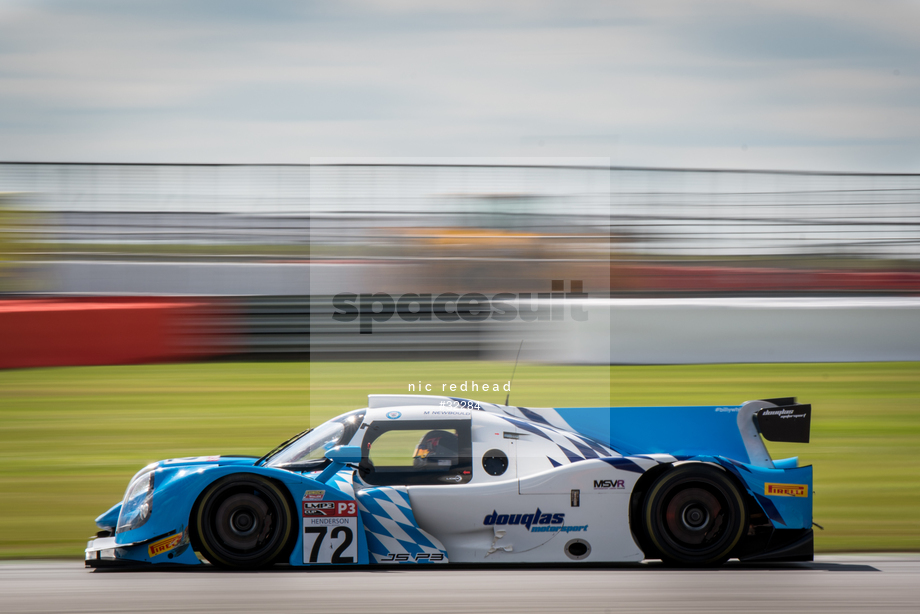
{"points": [[788, 421], [775, 420]]}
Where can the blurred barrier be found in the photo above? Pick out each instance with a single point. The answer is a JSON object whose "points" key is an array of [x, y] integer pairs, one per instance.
{"points": [[293, 278], [99, 331], [165, 278], [649, 331], [268, 326], [626, 279], [757, 330], [612, 331]]}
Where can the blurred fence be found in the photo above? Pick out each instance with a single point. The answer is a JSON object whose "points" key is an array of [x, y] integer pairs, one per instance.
{"points": [[254, 210], [455, 220]]}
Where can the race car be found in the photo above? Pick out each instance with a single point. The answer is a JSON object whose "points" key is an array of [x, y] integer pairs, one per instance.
{"points": [[418, 479]]}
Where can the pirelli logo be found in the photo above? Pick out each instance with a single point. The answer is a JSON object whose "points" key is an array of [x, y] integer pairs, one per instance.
{"points": [[786, 490], [164, 545]]}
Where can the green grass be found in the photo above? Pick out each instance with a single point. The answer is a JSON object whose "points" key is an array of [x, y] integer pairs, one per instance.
{"points": [[70, 438]]}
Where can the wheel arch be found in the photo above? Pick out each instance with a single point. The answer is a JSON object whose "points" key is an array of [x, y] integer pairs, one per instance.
{"points": [[637, 502]]}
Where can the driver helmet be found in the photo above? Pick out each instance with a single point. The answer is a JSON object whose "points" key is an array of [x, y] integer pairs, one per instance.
{"points": [[437, 449]]}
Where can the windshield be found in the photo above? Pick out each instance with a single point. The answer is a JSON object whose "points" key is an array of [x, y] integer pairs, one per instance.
{"points": [[312, 446]]}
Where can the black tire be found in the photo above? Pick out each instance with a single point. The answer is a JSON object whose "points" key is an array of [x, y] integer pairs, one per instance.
{"points": [[694, 515], [243, 522]]}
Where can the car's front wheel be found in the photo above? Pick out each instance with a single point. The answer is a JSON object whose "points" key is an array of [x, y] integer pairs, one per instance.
{"points": [[243, 522], [694, 515]]}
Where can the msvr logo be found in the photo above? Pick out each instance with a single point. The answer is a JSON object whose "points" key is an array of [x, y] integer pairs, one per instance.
{"points": [[609, 484]]}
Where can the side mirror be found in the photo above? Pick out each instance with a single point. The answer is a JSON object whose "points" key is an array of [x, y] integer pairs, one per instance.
{"points": [[344, 454], [339, 457]]}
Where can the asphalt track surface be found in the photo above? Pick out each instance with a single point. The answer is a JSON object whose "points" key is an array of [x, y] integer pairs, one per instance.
{"points": [[853, 583]]}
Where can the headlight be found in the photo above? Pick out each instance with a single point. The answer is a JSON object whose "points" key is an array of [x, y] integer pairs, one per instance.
{"points": [[138, 503]]}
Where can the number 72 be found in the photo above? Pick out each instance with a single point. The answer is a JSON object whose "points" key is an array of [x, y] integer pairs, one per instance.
{"points": [[320, 533]]}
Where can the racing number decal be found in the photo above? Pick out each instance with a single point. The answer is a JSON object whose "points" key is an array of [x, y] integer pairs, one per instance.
{"points": [[337, 557], [329, 529]]}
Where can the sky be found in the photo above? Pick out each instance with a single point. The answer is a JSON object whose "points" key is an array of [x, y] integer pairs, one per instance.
{"points": [[818, 85]]}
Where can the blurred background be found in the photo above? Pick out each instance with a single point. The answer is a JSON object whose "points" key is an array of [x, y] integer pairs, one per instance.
{"points": [[156, 311], [241, 260], [168, 288]]}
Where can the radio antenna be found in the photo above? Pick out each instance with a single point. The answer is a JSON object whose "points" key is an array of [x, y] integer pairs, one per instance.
{"points": [[508, 396]]}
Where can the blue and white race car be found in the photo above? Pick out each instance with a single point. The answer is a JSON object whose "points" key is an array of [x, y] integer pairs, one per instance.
{"points": [[430, 479]]}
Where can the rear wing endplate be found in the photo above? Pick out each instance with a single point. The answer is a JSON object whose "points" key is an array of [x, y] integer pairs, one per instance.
{"points": [[788, 421]]}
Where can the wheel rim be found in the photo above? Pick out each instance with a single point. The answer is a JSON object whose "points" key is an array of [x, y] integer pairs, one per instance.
{"points": [[693, 517], [241, 520], [242, 524]]}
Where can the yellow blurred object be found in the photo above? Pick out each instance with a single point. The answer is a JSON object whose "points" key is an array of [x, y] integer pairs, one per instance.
{"points": [[466, 236]]}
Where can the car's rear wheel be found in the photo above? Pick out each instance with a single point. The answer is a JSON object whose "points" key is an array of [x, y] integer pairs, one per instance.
{"points": [[243, 522], [694, 515]]}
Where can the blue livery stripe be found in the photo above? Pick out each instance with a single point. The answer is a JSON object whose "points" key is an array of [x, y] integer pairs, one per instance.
{"points": [[769, 508], [410, 547], [573, 458], [585, 450], [591, 444], [374, 545], [372, 524], [624, 464], [533, 416], [371, 504], [526, 426], [416, 535]]}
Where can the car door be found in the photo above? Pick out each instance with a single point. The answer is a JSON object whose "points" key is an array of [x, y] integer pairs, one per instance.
{"points": [[403, 452], [461, 516]]}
